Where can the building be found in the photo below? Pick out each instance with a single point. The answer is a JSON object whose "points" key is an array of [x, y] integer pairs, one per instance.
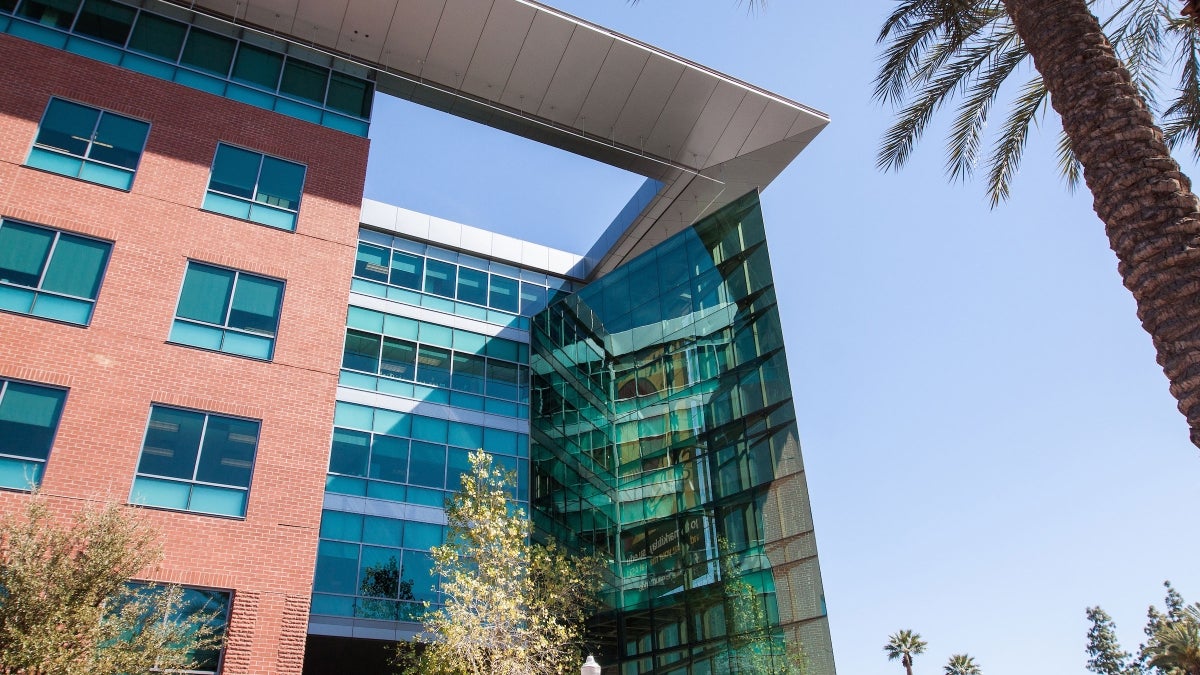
{"points": [[200, 314]]}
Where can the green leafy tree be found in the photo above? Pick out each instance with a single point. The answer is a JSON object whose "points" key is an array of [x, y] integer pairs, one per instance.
{"points": [[510, 607], [755, 647], [961, 664], [66, 607], [904, 645], [1174, 649], [1105, 656], [941, 51]]}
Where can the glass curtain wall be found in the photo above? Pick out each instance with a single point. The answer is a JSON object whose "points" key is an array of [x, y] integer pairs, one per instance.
{"points": [[664, 438]]}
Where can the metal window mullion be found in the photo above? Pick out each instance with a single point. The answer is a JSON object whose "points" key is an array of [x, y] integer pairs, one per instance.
{"points": [[199, 450], [3, 389], [232, 292], [46, 263], [137, 14], [379, 356], [75, 18], [258, 177], [87, 153]]}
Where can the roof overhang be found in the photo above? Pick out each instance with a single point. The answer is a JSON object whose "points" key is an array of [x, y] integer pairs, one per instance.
{"points": [[522, 67]]}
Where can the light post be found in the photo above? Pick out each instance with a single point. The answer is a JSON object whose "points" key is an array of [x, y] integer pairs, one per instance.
{"points": [[590, 667]]}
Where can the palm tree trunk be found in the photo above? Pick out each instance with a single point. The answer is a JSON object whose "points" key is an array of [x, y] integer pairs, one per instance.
{"points": [[907, 663], [1145, 201]]}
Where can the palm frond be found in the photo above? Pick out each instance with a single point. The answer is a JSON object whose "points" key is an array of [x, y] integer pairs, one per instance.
{"points": [[1137, 30], [966, 134], [1068, 164], [1009, 146], [1181, 120]]}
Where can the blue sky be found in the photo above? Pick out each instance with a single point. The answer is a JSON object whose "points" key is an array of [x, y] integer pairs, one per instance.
{"points": [[989, 442]]}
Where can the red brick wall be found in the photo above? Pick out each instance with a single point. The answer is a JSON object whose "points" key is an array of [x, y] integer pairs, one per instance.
{"points": [[121, 364]]}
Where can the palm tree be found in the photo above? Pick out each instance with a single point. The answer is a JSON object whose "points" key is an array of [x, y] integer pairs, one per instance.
{"points": [[1174, 647], [938, 49], [904, 645], [961, 664]]}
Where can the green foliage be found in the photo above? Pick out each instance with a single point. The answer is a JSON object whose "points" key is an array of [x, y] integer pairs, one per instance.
{"points": [[66, 607], [510, 607], [904, 645], [1105, 656], [1174, 649], [755, 647], [962, 53], [961, 664]]}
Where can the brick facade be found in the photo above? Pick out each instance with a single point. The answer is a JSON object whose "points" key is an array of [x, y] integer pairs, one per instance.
{"points": [[121, 364]]}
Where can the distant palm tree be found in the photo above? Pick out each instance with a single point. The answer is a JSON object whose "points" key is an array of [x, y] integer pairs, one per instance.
{"points": [[904, 645], [961, 664], [1175, 646]]}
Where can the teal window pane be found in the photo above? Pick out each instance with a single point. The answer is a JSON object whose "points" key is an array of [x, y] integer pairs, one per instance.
{"points": [[344, 526], [498, 441], [204, 337], [227, 206], [432, 333], [458, 463], [398, 359], [440, 278], [429, 429], [351, 415], [533, 298], [54, 162], [371, 262], [254, 346], [206, 292], [502, 379], [504, 294], [389, 459], [350, 451], [235, 171], [301, 111], [18, 474], [111, 176], [471, 343], [208, 51], [342, 123], [272, 217], [23, 252], [337, 568], [56, 13], [119, 141], [280, 183], [468, 373], [250, 96], [62, 309], [345, 486], [400, 327], [433, 366], [67, 126], [218, 501], [393, 423], [172, 443], [105, 21], [227, 457], [389, 491], [382, 531], [304, 80], [15, 299], [499, 348], [379, 573], [427, 465], [422, 536], [77, 266], [349, 95], [214, 605], [472, 285], [159, 36], [407, 270], [255, 305], [332, 605], [364, 319], [467, 436], [257, 66], [164, 493], [361, 351], [29, 417]]}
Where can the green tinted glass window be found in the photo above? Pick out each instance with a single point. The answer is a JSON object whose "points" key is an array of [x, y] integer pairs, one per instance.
{"points": [[50, 274], [361, 351], [440, 278], [504, 294], [398, 359], [472, 286], [228, 310], [84, 142], [7, 5], [257, 66], [29, 416], [195, 461], [304, 80], [350, 451], [371, 262], [158, 36], [208, 51], [407, 270], [55, 13], [253, 186], [105, 20], [349, 95]]}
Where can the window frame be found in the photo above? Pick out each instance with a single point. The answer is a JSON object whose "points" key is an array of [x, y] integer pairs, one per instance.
{"points": [[38, 290], [253, 201], [85, 159], [139, 585], [193, 481], [37, 481], [237, 275]]}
